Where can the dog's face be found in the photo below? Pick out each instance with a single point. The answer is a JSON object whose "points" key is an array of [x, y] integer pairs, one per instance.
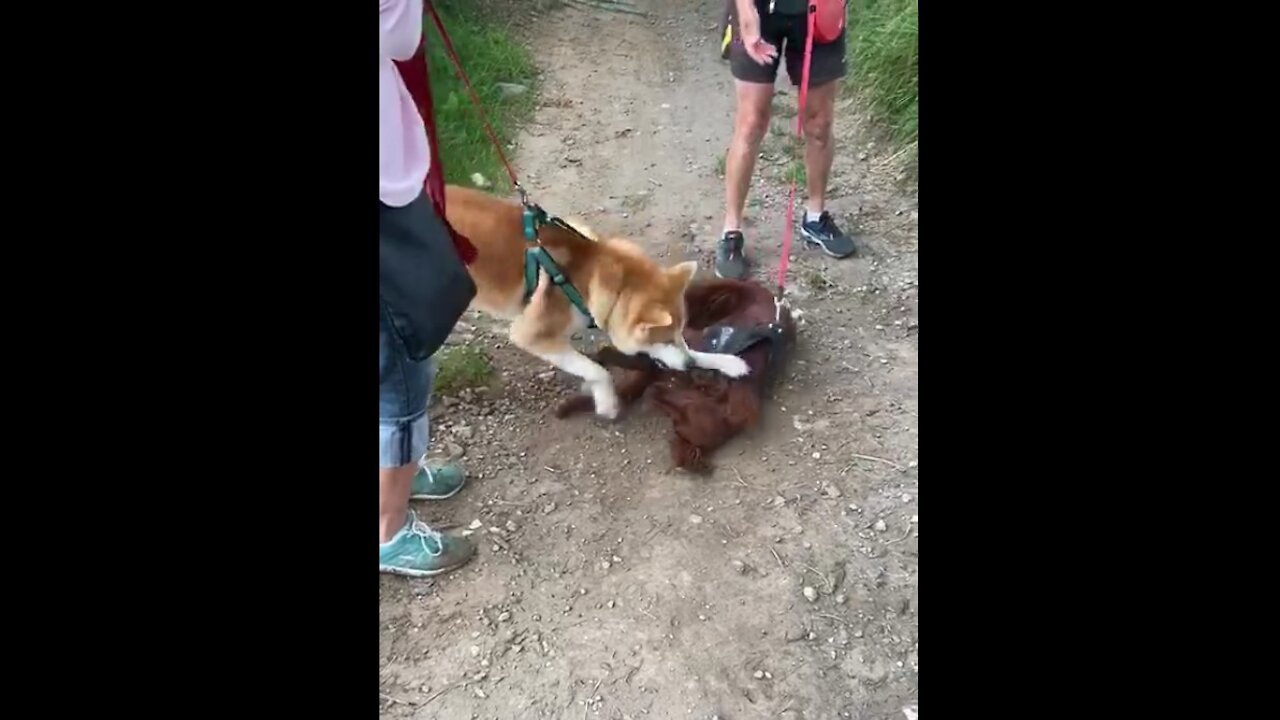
{"points": [[651, 316]]}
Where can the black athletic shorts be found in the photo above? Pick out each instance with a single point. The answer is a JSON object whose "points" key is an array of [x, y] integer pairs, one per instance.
{"points": [[787, 33]]}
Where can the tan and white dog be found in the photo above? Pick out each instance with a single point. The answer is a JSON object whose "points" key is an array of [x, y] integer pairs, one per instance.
{"points": [[635, 301]]}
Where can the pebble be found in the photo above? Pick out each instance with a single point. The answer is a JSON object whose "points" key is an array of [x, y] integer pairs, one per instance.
{"points": [[880, 526], [759, 674], [504, 616], [475, 651], [605, 564], [511, 526], [475, 525], [906, 498], [840, 599], [695, 519], [548, 508], [507, 90], [810, 594], [740, 566]]}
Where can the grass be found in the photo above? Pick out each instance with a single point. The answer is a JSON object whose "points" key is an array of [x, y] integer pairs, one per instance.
{"points": [[883, 40], [461, 367], [490, 55]]}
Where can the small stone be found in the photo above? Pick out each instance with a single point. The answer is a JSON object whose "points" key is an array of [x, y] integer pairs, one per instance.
{"points": [[880, 526], [548, 508], [480, 694], [475, 525], [504, 616], [582, 591], [464, 431], [702, 617], [610, 604], [507, 90], [857, 633], [738, 565], [906, 498], [605, 564], [475, 651], [810, 594], [695, 519], [617, 559], [511, 526], [817, 456], [759, 674], [831, 491], [768, 675], [840, 599], [915, 518]]}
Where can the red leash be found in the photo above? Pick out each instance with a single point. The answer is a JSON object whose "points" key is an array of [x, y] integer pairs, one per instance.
{"points": [[789, 230], [475, 99]]}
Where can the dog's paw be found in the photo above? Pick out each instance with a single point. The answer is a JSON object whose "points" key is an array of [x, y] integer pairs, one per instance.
{"points": [[607, 405], [733, 366], [608, 411]]}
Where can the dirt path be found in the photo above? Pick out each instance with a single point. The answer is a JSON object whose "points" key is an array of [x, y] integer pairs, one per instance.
{"points": [[608, 586]]}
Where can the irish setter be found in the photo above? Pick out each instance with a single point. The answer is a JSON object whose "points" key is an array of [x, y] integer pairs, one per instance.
{"points": [[706, 408]]}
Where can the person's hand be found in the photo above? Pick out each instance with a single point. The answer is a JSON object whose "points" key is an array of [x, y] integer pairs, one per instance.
{"points": [[749, 26]]}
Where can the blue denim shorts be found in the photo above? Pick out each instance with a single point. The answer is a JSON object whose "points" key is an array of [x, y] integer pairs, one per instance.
{"points": [[404, 389]]}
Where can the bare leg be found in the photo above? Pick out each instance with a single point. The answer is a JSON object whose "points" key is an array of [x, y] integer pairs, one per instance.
{"points": [[394, 485], [820, 145], [749, 127]]}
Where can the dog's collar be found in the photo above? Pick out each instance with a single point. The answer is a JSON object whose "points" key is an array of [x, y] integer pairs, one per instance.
{"points": [[537, 258]]}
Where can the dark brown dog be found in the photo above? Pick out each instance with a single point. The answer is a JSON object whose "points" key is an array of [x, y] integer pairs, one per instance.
{"points": [[706, 408]]}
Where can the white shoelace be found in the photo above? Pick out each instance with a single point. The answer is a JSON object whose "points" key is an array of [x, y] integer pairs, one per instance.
{"points": [[424, 533]]}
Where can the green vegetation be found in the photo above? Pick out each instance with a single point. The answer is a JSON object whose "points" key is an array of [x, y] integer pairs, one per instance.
{"points": [[491, 55], [883, 42], [459, 367]]}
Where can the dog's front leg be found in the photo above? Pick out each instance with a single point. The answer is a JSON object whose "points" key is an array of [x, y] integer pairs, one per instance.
{"points": [[679, 358], [596, 379]]}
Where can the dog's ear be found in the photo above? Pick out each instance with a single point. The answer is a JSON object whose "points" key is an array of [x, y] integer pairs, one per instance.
{"points": [[654, 318], [683, 273]]}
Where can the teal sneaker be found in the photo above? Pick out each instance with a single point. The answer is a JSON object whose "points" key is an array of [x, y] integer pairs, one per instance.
{"points": [[419, 551], [437, 481]]}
